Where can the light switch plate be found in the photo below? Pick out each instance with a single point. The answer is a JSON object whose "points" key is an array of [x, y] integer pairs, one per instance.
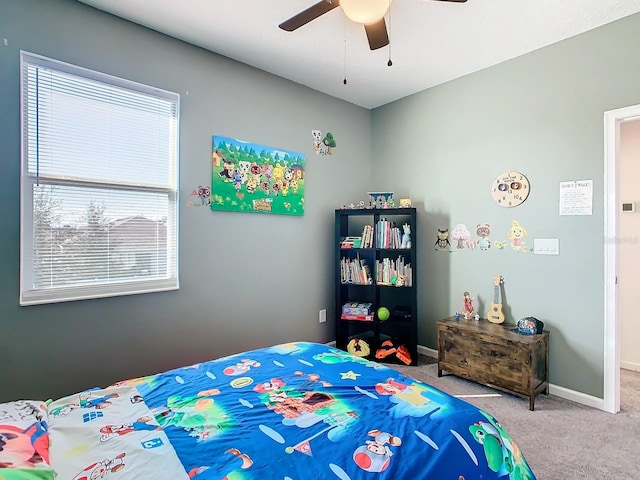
{"points": [[546, 246]]}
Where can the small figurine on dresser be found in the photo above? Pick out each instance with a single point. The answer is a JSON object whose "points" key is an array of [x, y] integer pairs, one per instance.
{"points": [[468, 306]]}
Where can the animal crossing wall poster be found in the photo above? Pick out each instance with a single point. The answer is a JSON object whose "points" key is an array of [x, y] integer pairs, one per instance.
{"points": [[247, 177]]}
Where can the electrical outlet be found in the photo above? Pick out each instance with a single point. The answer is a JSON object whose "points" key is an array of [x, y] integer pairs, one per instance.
{"points": [[322, 315]]}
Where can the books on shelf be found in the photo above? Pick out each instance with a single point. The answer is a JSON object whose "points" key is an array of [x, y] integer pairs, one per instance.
{"points": [[367, 236], [388, 235], [356, 271], [351, 242], [387, 270], [384, 235]]}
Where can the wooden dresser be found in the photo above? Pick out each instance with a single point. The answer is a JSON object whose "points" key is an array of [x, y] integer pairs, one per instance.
{"points": [[493, 355]]}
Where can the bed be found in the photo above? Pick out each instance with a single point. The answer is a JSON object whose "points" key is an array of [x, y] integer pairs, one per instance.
{"points": [[293, 411]]}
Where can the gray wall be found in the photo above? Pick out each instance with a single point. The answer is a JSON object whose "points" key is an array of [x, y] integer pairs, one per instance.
{"points": [[253, 280], [247, 280], [541, 114]]}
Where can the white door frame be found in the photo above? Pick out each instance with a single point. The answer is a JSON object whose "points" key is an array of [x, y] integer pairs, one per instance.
{"points": [[612, 121]]}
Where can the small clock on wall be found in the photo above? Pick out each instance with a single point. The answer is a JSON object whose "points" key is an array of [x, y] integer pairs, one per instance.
{"points": [[510, 189]]}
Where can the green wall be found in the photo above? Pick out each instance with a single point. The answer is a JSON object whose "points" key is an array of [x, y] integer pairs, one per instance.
{"points": [[247, 280], [540, 114]]}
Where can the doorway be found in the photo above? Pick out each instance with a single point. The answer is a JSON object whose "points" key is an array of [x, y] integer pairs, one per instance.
{"points": [[612, 121]]}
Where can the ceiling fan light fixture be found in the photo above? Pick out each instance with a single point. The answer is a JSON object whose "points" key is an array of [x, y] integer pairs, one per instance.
{"points": [[365, 11]]}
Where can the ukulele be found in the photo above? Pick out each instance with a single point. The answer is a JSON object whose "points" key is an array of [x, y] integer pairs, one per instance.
{"points": [[495, 314]]}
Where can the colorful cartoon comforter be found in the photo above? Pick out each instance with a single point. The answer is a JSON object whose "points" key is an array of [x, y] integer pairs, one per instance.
{"points": [[24, 441], [294, 411]]}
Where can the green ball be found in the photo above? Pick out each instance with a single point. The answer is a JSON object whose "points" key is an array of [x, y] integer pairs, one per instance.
{"points": [[383, 314]]}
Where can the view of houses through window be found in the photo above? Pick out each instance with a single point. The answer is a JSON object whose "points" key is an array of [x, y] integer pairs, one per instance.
{"points": [[94, 246]]}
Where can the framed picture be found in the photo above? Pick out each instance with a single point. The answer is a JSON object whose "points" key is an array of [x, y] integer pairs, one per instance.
{"points": [[248, 177]]}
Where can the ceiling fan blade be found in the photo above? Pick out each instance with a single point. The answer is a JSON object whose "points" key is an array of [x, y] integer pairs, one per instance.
{"points": [[311, 13], [377, 34]]}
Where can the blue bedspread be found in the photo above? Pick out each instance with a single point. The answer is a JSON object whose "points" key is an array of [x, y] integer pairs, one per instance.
{"points": [[308, 411]]}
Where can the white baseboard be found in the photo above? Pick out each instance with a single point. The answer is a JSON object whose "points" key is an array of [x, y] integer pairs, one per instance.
{"points": [[429, 352], [578, 397], [630, 366], [556, 390]]}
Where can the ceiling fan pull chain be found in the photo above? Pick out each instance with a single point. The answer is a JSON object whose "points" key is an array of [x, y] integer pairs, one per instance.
{"points": [[389, 63], [344, 81]]}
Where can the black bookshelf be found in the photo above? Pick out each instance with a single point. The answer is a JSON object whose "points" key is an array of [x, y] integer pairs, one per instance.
{"points": [[379, 290]]}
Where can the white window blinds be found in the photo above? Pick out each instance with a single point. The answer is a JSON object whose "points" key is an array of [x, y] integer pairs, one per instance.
{"points": [[99, 184]]}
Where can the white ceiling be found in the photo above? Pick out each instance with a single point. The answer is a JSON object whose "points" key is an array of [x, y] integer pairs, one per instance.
{"points": [[431, 41]]}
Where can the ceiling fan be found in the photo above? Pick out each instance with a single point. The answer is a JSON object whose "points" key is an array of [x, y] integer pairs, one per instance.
{"points": [[369, 13]]}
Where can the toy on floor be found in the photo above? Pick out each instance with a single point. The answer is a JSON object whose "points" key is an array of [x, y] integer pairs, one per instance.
{"points": [[387, 348], [358, 347], [402, 353]]}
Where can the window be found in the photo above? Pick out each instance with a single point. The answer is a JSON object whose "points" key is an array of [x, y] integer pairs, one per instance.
{"points": [[98, 184]]}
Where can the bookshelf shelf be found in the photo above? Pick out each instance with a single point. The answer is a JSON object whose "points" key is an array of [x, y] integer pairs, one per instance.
{"points": [[388, 276]]}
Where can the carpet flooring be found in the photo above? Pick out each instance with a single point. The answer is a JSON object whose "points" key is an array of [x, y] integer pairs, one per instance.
{"points": [[561, 440]]}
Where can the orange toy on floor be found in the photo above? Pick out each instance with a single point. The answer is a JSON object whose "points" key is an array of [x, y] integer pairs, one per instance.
{"points": [[403, 355], [386, 349]]}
